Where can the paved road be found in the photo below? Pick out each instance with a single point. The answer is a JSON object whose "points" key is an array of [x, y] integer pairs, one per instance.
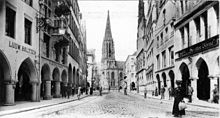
{"points": [[116, 105]]}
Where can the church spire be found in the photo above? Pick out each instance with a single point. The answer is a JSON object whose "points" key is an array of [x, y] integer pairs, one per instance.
{"points": [[108, 32]]}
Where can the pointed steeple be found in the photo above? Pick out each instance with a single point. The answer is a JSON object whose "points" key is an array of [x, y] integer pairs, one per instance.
{"points": [[108, 32]]}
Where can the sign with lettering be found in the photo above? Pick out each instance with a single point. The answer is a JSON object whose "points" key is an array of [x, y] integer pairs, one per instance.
{"points": [[22, 48], [199, 47]]}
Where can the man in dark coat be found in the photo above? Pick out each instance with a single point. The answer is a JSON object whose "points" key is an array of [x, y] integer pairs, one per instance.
{"points": [[178, 97]]}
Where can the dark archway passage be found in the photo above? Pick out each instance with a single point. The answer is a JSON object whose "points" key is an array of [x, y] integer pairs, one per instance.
{"points": [[4, 75], [185, 77], [45, 76], [26, 74], [56, 78], [203, 83], [158, 82], [164, 79], [172, 76]]}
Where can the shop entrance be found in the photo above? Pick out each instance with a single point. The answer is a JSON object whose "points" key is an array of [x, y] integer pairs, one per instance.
{"points": [[4, 74], [185, 78], [23, 89], [203, 83]]}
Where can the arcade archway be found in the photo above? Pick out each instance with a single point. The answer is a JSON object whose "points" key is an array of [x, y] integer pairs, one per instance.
{"points": [[158, 82], [5, 72], [55, 83], [164, 79], [26, 75], [185, 77], [70, 74], [171, 74], [45, 76], [203, 83]]}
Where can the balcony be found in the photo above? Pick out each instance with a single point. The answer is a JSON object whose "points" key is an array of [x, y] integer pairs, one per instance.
{"points": [[62, 8]]}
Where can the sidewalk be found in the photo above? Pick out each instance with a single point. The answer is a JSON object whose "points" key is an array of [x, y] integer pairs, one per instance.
{"points": [[198, 103], [28, 106]]}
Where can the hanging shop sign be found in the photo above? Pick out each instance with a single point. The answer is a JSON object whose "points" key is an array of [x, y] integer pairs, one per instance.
{"points": [[21, 47]]}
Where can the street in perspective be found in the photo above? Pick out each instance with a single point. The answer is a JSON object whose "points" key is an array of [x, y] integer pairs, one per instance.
{"points": [[109, 58]]}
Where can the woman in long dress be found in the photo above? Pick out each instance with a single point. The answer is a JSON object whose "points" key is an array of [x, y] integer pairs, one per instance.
{"points": [[178, 97]]}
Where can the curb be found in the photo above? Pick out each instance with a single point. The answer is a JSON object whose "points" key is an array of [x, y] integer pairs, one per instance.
{"points": [[192, 104], [44, 106]]}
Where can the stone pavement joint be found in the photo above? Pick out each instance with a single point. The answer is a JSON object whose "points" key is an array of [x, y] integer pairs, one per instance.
{"points": [[208, 105], [15, 111]]}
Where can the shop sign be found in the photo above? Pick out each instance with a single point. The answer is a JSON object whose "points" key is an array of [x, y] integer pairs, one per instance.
{"points": [[199, 47], [22, 48]]}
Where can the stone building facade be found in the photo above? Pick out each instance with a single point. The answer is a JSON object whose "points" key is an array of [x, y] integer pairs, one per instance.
{"points": [[112, 70], [164, 43], [186, 45], [37, 62], [130, 72], [197, 46], [91, 65]]}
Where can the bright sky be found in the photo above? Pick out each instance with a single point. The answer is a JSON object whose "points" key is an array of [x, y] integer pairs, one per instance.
{"points": [[123, 18]]}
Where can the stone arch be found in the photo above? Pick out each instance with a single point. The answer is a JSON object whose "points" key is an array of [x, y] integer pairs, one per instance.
{"points": [[74, 76], [112, 79], [77, 77], [164, 79], [45, 76], [203, 83], [213, 21], [185, 77], [5, 75], [64, 76], [70, 74], [158, 82], [27, 75], [55, 78], [172, 76]]}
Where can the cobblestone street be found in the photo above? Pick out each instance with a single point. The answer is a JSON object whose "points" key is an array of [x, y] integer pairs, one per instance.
{"points": [[117, 105]]}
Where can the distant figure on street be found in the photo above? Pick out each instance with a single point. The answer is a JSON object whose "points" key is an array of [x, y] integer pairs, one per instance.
{"points": [[178, 97], [190, 92], [79, 93], [100, 90], [215, 94], [162, 91], [156, 92], [109, 89], [69, 90], [145, 92], [125, 88], [170, 92]]}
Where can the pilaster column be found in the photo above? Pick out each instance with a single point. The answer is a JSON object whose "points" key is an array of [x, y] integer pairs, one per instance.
{"points": [[194, 86], [34, 92], [57, 89], [47, 90], [9, 93]]}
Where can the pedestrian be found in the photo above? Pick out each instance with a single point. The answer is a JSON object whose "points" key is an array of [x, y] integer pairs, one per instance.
{"points": [[109, 89], [69, 90], [100, 91], [145, 92], [178, 97], [170, 92], [190, 92], [125, 88], [162, 91], [215, 94], [79, 92], [156, 92]]}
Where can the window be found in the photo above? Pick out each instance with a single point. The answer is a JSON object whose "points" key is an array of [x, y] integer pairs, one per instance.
{"points": [[27, 25], [10, 22], [164, 59], [182, 37], [161, 37], [158, 41], [29, 2], [158, 62], [164, 17]]}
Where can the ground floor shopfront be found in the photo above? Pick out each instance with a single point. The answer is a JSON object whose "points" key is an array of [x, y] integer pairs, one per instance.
{"points": [[202, 72], [22, 80]]}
